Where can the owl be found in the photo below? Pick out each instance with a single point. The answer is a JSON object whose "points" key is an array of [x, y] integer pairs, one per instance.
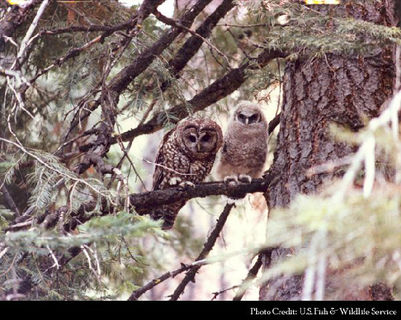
{"points": [[245, 145], [185, 157]]}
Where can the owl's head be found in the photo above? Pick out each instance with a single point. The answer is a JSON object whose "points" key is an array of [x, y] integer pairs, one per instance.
{"points": [[200, 138], [249, 114]]}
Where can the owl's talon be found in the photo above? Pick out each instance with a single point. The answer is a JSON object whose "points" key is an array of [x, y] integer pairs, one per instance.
{"points": [[244, 178], [231, 201], [174, 181], [231, 181], [187, 184]]}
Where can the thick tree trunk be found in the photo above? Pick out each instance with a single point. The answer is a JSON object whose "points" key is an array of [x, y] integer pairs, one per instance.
{"points": [[318, 92]]}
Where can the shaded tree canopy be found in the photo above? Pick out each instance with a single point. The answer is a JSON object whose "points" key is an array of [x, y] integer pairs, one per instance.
{"points": [[89, 88]]}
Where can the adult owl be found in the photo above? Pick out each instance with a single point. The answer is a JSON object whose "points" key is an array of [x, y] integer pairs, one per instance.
{"points": [[185, 156], [245, 145]]}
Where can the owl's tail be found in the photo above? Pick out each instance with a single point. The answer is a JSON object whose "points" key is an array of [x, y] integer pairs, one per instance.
{"points": [[167, 214]]}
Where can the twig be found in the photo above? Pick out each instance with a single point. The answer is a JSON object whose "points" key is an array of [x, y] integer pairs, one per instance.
{"points": [[215, 294], [88, 258], [18, 96], [244, 25], [56, 264], [207, 247], [14, 74], [171, 274], [10, 267]]}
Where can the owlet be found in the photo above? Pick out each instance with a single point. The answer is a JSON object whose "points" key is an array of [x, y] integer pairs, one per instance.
{"points": [[245, 145]]}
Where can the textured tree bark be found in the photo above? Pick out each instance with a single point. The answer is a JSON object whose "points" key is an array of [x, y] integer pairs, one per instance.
{"points": [[318, 92]]}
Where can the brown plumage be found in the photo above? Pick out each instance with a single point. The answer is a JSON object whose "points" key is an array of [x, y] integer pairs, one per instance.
{"points": [[186, 156], [245, 144]]}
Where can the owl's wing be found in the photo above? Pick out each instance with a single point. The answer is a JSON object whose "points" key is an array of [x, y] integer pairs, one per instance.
{"points": [[158, 174]]}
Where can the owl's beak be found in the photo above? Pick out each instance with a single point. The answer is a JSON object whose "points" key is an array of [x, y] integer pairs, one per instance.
{"points": [[246, 120], [198, 146]]}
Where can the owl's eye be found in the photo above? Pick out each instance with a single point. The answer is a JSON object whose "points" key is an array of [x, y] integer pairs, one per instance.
{"points": [[253, 118], [241, 116], [192, 138], [206, 138]]}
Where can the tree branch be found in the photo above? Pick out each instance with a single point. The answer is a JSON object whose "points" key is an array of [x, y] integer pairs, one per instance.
{"points": [[219, 89], [207, 247], [111, 92], [172, 22], [274, 123], [120, 82], [171, 274], [144, 202], [192, 45], [253, 272], [156, 198]]}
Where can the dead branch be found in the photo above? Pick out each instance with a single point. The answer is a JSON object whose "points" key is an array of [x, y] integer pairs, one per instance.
{"points": [[207, 247], [170, 274], [253, 272]]}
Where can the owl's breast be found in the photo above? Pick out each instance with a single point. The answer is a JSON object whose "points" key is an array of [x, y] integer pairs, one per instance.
{"points": [[235, 151], [198, 170]]}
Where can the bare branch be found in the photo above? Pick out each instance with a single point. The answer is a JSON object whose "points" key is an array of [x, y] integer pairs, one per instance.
{"points": [[253, 272], [170, 274], [207, 247]]}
